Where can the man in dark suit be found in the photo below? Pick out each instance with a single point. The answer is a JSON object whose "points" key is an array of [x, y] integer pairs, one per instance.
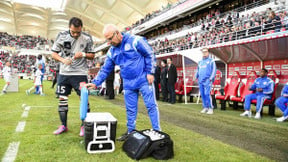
{"points": [[172, 78], [163, 78], [157, 80]]}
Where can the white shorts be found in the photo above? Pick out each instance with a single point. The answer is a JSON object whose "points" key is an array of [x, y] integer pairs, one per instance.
{"points": [[116, 84], [7, 78], [37, 82]]}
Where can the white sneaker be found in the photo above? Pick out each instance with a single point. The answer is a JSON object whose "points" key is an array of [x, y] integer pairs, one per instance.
{"points": [[204, 110], [257, 116], [281, 119], [246, 113], [210, 111]]}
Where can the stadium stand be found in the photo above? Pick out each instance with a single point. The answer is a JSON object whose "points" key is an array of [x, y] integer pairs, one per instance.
{"points": [[24, 41]]}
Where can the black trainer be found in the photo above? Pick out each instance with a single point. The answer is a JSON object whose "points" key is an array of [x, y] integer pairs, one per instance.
{"points": [[123, 137]]}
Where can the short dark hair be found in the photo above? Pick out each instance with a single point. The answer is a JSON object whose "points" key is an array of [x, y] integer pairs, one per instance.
{"points": [[39, 57], [266, 71], [75, 21], [169, 58], [164, 61]]}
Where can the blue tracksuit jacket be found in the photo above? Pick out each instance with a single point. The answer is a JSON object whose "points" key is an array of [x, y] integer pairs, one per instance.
{"points": [[206, 70], [206, 74], [136, 59], [282, 101], [267, 85]]}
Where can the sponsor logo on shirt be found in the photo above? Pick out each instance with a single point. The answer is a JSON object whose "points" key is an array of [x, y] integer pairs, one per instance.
{"points": [[127, 47]]}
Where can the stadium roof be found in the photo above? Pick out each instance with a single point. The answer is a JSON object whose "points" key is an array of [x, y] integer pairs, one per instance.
{"points": [[19, 18]]}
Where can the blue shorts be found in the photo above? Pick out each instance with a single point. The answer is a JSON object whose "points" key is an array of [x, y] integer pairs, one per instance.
{"points": [[67, 82]]}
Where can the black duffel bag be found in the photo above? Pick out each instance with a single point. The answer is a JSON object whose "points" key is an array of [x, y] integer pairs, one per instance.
{"points": [[141, 144]]}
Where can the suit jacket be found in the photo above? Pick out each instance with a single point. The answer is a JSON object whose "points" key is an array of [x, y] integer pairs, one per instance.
{"points": [[157, 74], [172, 74], [163, 76]]}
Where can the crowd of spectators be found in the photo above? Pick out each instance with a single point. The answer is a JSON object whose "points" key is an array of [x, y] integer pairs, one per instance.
{"points": [[23, 42], [22, 64], [203, 17], [224, 28], [149, 16]]}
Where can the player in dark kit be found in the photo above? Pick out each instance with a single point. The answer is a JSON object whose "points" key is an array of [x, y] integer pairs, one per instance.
{"points": [[71, 48]]}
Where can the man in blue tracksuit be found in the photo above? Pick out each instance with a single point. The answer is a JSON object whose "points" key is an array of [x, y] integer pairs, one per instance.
{"points": [[264, 87], [282, 102], [206, 74], [137, 63]]}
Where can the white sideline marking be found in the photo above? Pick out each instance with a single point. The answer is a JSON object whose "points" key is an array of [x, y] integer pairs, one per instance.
{"points": [[51, 106], [20, 127], [42, 106], [11, 153], [25, 114]]}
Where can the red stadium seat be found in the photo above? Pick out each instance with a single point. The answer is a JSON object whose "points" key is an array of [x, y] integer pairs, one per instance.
{"points": [[270, 102], [270, 32], [217, 83], [216, 86], [244, 89], [189, 82], [179, 85], [230, 89]]}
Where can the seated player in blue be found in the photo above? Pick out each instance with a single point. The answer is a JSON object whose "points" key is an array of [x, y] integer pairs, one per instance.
{"points": [[263, 87], [282, 102]]}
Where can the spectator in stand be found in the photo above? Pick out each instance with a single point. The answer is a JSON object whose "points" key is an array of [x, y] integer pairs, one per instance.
{"points": [[265, 26], [285, 20], [281, 103], [256, 30], [263, 87], [275, 20], [171, 80]]}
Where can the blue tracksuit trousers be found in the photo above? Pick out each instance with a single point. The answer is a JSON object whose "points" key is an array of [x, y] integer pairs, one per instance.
{"points": [[131, 102]]}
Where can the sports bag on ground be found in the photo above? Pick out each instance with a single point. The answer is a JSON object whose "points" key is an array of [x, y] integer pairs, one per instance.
{"points": [[141, 144]]}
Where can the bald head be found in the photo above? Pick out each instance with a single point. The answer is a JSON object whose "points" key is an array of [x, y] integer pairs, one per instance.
{"points": [[112, 34], [8, 64], [110, 28]]}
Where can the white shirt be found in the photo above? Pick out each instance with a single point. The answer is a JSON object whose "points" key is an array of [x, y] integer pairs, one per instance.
{"points": [[6, 71], [38, 75], [117, 80]]}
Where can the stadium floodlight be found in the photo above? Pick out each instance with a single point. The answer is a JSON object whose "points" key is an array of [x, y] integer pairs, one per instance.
{"points": [[57, 5]]}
